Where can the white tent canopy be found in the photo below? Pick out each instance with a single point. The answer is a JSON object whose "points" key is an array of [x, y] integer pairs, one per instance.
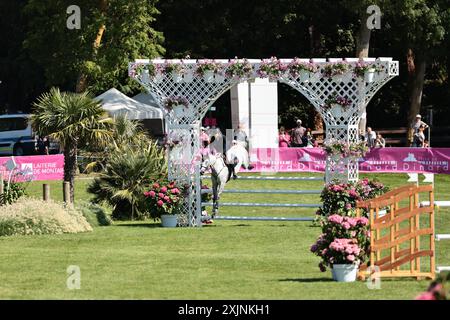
{"points": [[117, 104], [146, 98]]}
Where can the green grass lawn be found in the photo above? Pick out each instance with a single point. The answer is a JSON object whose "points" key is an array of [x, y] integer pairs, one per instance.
{"points": [[227, 260]]}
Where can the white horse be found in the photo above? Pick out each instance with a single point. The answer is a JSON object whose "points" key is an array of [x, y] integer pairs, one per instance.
{"points": [[220, 175]]}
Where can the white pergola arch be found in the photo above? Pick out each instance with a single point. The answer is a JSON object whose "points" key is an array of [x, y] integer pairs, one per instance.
{"points": [[184, 129]]}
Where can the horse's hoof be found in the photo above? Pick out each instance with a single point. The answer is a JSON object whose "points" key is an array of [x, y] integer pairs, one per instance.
{"points": [[235, 177]]}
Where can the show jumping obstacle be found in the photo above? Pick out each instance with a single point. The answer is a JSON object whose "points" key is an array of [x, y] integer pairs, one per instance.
{"points": [[395, 240], [164, 79]]}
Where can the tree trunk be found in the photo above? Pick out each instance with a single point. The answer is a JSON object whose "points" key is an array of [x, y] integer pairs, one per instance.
{"points": [[70, 167], [82, 79], [416, 70], [362, 51], [363, 40]]}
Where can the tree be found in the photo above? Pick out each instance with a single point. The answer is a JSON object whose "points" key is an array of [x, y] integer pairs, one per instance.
{"points": [[95, 57], [73, 120]]}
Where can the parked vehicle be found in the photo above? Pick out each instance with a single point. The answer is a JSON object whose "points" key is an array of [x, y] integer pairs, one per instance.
{"points": [[17, 137]]}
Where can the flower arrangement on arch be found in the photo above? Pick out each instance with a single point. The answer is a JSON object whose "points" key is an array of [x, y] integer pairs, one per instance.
{"points": [[344, 240], [208, 65], [241, 69], [174, 67], [336, 69], [336, 99], [341, 198], [296, 66], [171, 102], [138, 68], [271, 68], [344, 149], [163, 197]]}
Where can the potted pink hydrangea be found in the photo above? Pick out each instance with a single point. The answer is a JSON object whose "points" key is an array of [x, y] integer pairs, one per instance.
{"points": [[176, 104], [302, 70], [163, 200], [343, 245], [271, 68]]}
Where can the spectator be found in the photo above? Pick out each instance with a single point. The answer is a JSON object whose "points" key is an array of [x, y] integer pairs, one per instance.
{"points": [[426, 144], [380, 142], [284, 139], [417, 123], [309, 138], [414, 128], [419, 138], [298, 134], [370, 137]]}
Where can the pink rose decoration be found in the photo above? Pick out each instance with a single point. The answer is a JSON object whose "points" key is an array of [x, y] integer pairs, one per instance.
{"points": [[161, 195], [163, 189], [160, 203], [175, 191], [156, 185], [166, 198], [351, 258], [152, 194]]}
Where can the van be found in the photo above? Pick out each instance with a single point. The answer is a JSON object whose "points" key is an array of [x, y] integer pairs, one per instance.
{"points": [[17, 137]]}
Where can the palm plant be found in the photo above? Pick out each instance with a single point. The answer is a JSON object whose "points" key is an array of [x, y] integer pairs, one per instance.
{"points": [[73, 120], [129, 169], [124, 132]]}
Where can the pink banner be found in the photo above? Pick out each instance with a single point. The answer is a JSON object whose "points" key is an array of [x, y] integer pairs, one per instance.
{"points": [[33, 168], [400, 160]]}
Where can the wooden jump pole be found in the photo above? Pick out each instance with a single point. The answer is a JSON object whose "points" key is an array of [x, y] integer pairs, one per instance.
{"points": [[46, 192]]}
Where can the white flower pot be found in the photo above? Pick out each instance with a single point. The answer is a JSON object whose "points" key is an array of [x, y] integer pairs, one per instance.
{"points": [[208, 76], [158, 77], [369, 76], [344, 272], [337, 110], [188, 77], [169, 220], [145, 76], [304, 76], [341, 77], [219, 77], [178, 110], [176, 77]]}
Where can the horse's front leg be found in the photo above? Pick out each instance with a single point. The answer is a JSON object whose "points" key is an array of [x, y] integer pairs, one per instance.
{"points": [[215, 197]]}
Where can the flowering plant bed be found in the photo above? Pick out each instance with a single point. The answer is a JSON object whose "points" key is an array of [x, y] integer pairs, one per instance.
{"points": [[138, 68], [171, 102], [208, 65], [163, 198], [344, 240], [296, 67], [271, 68], [336, 100], [341, 198], [439, 289], [239, 68], [342, 149], [336, 69], [177, 68], [361, 67]]}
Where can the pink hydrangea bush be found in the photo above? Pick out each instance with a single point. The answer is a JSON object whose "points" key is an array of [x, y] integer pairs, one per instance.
{"points": [[163, 198], [341, 198], [344, 240], [438, 289]]}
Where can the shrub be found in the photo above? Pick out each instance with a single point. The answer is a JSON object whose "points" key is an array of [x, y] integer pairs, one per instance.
{"points": [[31, 217], [163, 198], [95, 214], [12, 193], [344, 240], [129, 168], [341, 198]]}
